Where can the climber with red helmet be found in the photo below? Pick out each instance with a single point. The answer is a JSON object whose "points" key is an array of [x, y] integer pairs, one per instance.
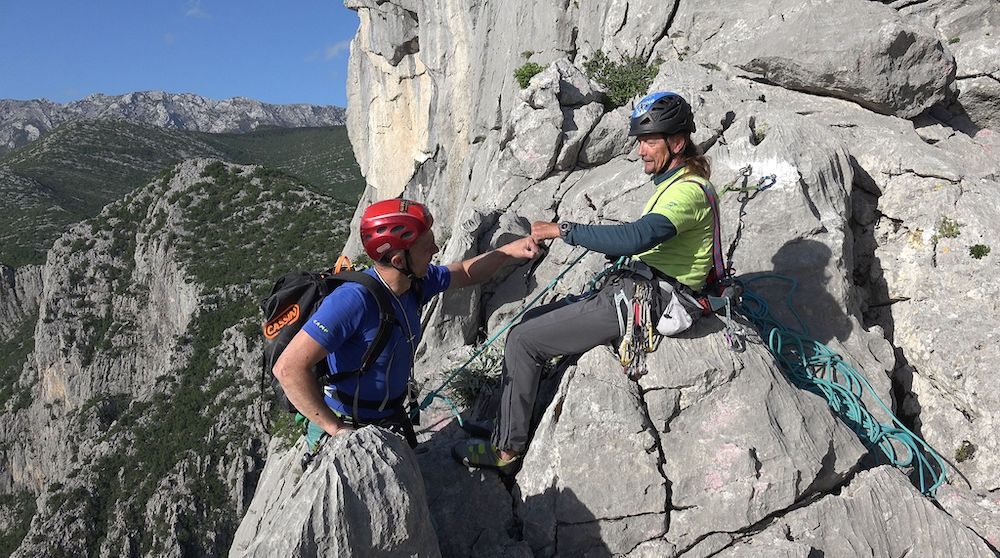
{"points": [[671, 245], [397, 235]]}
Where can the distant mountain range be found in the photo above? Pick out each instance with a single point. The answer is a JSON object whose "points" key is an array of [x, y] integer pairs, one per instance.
{"points": [[164, 232], [24, 121], [62, 163]]}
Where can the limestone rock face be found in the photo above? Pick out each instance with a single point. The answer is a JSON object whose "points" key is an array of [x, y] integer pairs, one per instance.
{"points": [[870, 232], [878, 515], [363, 495], [977, 510], [969, 29], [560, 109], [20, 291], [859, 50]]}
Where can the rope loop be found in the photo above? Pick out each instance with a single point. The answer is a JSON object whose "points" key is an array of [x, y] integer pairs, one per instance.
{"points": [[816, 368]]}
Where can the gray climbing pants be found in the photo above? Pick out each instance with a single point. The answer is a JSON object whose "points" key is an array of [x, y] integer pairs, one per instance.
{"points": [[559, 328]]}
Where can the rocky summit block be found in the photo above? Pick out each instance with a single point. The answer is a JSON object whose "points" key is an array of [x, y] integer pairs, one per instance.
{"points": [[855, 49], [362, 495]]}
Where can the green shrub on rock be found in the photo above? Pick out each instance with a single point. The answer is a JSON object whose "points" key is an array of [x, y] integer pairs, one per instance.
{"points": [[524, 74], [624, 79]]}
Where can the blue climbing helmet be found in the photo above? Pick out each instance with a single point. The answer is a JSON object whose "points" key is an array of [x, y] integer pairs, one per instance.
{"points": [[661, 113]]}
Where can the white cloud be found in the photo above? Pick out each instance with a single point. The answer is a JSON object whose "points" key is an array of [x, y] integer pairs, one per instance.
{"points": [[334, 50], [193, 9]]}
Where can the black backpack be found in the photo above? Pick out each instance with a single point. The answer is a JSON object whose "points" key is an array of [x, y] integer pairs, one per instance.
{"points": [[294, 298]]}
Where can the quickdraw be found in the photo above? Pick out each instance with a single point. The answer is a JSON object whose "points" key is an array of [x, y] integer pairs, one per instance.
{"points": [[731, 288], [735, 334], [743, 174], [635, 322], [747, 192]]}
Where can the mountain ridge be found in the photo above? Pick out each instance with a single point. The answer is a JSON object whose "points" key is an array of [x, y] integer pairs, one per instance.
{"points": [[71, 173], [22, 122]]}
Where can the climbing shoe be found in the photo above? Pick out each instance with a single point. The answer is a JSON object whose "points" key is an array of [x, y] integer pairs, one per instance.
{"points": [[476, 452]]}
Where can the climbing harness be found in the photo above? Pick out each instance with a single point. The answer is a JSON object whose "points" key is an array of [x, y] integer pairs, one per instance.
{"points": [[814, 367]]}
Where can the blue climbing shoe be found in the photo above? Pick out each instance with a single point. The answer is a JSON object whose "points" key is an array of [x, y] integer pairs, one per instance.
{"points": [[479, 453]]}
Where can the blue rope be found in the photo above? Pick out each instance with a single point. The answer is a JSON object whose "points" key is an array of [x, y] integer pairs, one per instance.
{"points": [[436, 393], [814, 367]]}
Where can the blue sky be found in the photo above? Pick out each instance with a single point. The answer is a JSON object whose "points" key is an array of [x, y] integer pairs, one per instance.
{"points": [[276, 52]]}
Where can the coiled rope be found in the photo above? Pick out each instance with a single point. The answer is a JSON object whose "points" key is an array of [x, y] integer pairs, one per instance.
{"points": [[814, 367]]}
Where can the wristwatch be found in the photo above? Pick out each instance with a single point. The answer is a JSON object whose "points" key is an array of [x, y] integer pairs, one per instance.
{"points": [[564, 228]]}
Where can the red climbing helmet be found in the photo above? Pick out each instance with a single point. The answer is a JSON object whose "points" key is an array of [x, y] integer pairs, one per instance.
{"points": [[393, 224]]}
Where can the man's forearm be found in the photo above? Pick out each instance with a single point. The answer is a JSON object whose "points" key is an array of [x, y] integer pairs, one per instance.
{"points": [[303, 392], [484, 266]]}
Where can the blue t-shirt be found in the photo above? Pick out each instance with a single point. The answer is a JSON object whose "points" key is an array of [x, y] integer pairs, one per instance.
{"points": [[345, 325]]}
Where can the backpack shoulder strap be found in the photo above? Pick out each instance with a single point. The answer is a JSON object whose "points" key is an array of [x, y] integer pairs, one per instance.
{"points": [[417, 285], [386, 318]]}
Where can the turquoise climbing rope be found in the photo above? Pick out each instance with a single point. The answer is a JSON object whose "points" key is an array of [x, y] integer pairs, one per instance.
{"points": [[436, 393], [814, 367]]}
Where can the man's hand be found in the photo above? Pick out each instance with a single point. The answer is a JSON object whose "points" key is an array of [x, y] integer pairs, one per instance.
{"points": [[544, 230], [338, 426], [482, 267], [524, 248]]}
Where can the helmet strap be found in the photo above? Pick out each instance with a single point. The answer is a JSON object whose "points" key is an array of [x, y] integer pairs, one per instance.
{"points": [[673, 155], [408, 270], [666, 165]]}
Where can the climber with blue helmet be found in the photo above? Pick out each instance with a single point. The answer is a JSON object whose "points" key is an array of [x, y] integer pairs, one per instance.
{"points": [[671, 245]]}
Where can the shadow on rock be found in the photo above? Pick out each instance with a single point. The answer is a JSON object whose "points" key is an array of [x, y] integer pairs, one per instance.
{"points": [[797, 291], [556, 523], [475, 511]]}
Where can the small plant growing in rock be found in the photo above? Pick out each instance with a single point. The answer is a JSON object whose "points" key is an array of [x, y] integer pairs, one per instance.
{"points": [[758, 132], [479, 376], [979, 251], [623, 79], [954, 40], [948, 228], [965, 452], [524, 74]]}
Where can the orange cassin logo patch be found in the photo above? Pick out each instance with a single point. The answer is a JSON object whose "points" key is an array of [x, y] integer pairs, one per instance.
{"points": [[287, 316]]}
